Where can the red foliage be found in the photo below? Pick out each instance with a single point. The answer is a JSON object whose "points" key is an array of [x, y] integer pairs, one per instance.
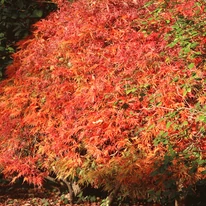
{"points": [[97, 87]]}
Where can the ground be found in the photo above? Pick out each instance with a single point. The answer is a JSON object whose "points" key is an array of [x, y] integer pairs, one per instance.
{"points": [[26, 195]]}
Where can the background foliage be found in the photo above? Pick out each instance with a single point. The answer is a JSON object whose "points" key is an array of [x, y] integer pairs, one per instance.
{"points": [[16, 17], [110, 93]]}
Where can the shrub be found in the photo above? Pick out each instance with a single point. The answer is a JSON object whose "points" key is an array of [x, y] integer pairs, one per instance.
{"points": [[109, 93]]}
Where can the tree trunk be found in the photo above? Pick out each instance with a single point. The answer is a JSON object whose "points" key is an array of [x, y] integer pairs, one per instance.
{"points": [[113, 195], [71, 192]]}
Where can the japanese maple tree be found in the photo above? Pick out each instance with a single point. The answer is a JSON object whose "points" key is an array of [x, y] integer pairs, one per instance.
{"points": [[111, 93]]}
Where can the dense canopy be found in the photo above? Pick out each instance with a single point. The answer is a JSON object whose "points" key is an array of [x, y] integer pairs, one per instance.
{"points": [[109, 92]]}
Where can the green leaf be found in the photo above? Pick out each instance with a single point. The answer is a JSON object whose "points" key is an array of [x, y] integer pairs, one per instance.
{"points": [[204, 172], [163, 134], [185, 123], [37, 13], [186, 50], [172, 44], [193, 45], [193, 169], [201, 162], [168, 125], [128, 91], [186, 90], [10, 49], [167, 159], [191, 65], [201, 118], [1, 35], [148, 3], [2, 48]]}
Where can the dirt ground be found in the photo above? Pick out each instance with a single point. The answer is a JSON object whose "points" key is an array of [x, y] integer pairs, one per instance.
{"points": [[26, 195]]}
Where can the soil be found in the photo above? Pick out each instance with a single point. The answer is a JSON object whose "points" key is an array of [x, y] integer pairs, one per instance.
{"points": [[26, 195]]}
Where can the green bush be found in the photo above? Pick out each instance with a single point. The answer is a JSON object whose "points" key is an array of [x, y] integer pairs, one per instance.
{"points": [[16, 17]]}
